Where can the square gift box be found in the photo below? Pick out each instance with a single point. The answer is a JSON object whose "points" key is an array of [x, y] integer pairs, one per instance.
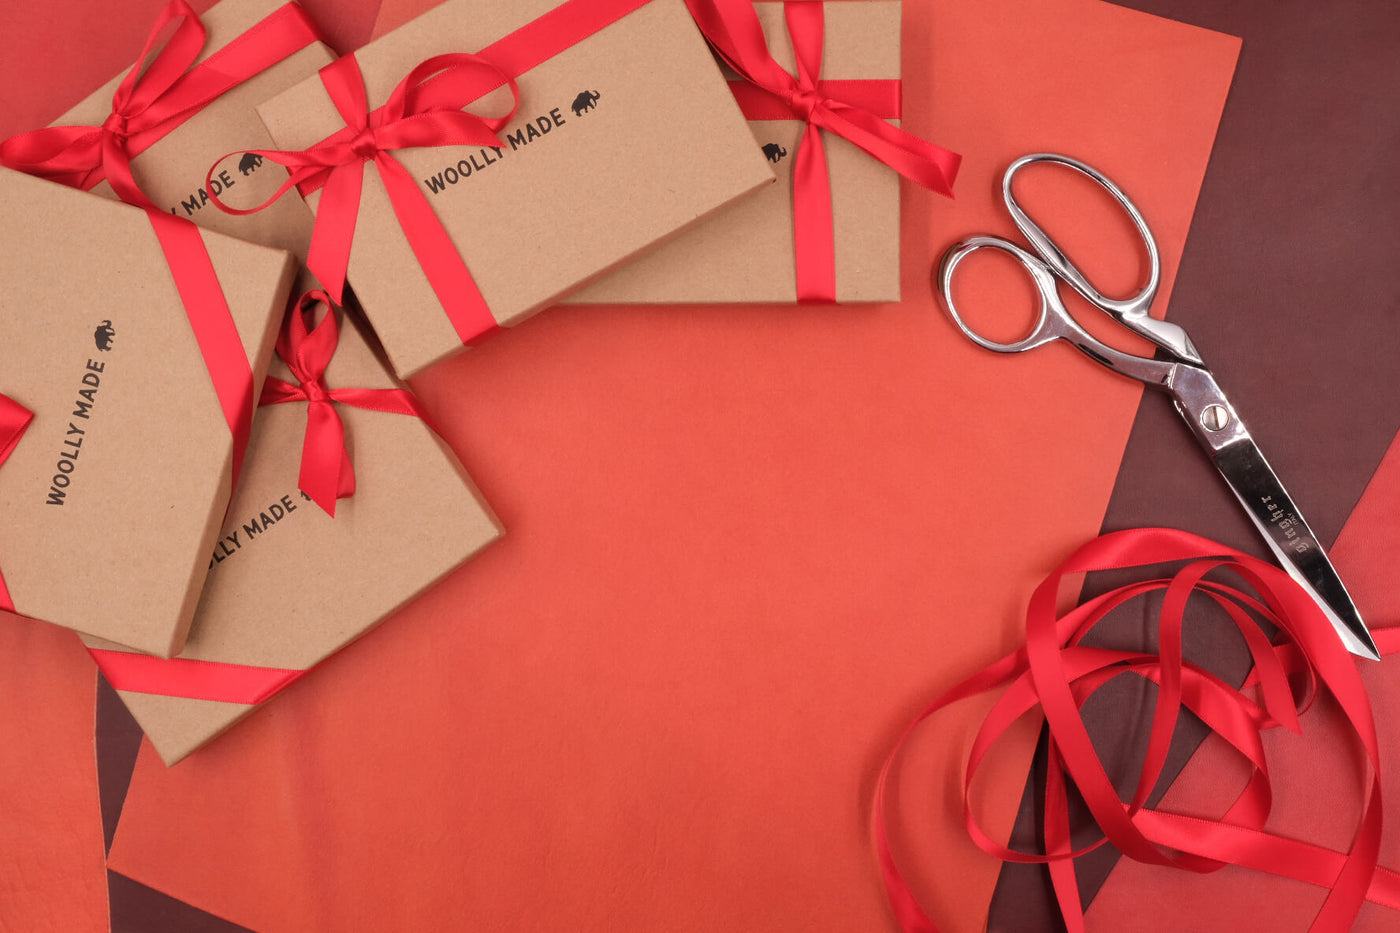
{"points": [[113, 494]]}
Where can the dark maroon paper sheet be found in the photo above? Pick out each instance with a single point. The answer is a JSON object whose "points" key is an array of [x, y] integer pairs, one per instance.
{"points": [[1290, 288]]}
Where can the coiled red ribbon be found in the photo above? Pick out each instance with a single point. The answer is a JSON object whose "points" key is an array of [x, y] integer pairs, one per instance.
{"points": [[1056, 672], [326, 471], [849, 109], [148, 105], [424, 110], [14, 421]]}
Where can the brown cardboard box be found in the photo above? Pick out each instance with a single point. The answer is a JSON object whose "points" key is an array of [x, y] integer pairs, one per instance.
{"points": [[172, 171], [288, 584], [662, 145], [745, 253], [95, 341]]}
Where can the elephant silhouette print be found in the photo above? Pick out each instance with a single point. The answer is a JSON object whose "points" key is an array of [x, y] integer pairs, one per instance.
{"points": [[249, 163], [584, 102], [774, 152], [103, 336]]}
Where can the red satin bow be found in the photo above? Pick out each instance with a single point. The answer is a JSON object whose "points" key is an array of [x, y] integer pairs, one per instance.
{"points": [[733, 29], [424, 110], [150, 104], [1055, 671], [326, 471], [14, 421]]}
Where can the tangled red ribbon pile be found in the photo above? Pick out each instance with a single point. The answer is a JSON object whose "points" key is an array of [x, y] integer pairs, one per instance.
{"points": [[1056, 672]]}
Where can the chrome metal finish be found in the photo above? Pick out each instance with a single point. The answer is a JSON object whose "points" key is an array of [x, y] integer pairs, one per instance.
{"points": [[1178, 371]]}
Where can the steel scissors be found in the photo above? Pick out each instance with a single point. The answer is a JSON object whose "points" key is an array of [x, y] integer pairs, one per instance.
{"points": [[1178, 370]]}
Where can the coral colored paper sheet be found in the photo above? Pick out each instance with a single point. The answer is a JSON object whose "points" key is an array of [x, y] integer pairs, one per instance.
{"points": [[743, 546]]}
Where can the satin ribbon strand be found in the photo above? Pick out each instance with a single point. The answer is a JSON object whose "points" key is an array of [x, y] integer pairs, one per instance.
{"points": [[1057, 674], [327, 473], [14, 421]]}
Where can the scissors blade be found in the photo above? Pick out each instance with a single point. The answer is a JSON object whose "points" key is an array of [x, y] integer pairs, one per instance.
{"points": [[1272, 511]]}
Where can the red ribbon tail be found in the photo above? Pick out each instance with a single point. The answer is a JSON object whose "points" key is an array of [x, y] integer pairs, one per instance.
{"points": [[814, 229], [331, 239], [325, 465]]}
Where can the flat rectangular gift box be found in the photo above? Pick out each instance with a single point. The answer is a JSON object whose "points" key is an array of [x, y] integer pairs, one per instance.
{"points": [[172, 170], [620, 140], [288, 584], [745, 253], [115, 491]]}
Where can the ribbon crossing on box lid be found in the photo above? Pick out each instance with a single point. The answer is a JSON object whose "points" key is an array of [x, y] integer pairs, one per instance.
{"points": [[856, 110]]}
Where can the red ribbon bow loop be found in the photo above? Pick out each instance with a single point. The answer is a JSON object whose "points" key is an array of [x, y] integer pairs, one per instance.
{"points": [[327, 473], [152, 100], [424, 110], [838, 107], [14, 421]]}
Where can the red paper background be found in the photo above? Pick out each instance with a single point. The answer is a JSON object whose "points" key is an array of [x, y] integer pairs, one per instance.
{"points": [[744, 545]]}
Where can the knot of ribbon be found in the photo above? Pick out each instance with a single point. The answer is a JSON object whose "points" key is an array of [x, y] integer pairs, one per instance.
{"points": [[425, 109], [162, 90], [307, 347], [854, 110], [14, 421], [1056, 672]]}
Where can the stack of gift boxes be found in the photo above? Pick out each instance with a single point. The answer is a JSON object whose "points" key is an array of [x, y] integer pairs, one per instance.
{"points": [[208, 465]]}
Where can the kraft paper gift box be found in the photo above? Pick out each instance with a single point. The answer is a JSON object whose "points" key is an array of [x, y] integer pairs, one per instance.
{"points": [[288, 583], [747, 252], [625, 133], [272, 42], [113, 494]]}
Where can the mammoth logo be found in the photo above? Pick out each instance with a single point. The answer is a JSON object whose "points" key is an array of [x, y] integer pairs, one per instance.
{"points": [[103, 336], [774, 152], [584, 102], [249, 163]]}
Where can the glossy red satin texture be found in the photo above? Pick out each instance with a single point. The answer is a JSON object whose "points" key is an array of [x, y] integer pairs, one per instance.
{"points": [[733, 29], [326, 471], [150, 104], [14, 420], [1057, 673], [197, 680]]}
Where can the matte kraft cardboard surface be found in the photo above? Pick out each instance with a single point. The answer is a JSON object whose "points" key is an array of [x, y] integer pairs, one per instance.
{"points": [[128, 434], [589, 186], [745, 252], [172, 171], [289, 585]]}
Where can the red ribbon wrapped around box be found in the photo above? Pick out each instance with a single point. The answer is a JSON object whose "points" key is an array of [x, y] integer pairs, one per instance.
{"points": [[855, 110], [424, 110], [14, 421], [326, 471], [1056, 672], [326, 475], [147, 106]]}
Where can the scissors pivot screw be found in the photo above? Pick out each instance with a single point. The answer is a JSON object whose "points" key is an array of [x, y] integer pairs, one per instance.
{"points": [[1215, 418]]}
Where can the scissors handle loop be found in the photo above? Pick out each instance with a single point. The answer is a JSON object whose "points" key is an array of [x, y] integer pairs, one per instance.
{"points": [[1128, 310], [1047, 325]]}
